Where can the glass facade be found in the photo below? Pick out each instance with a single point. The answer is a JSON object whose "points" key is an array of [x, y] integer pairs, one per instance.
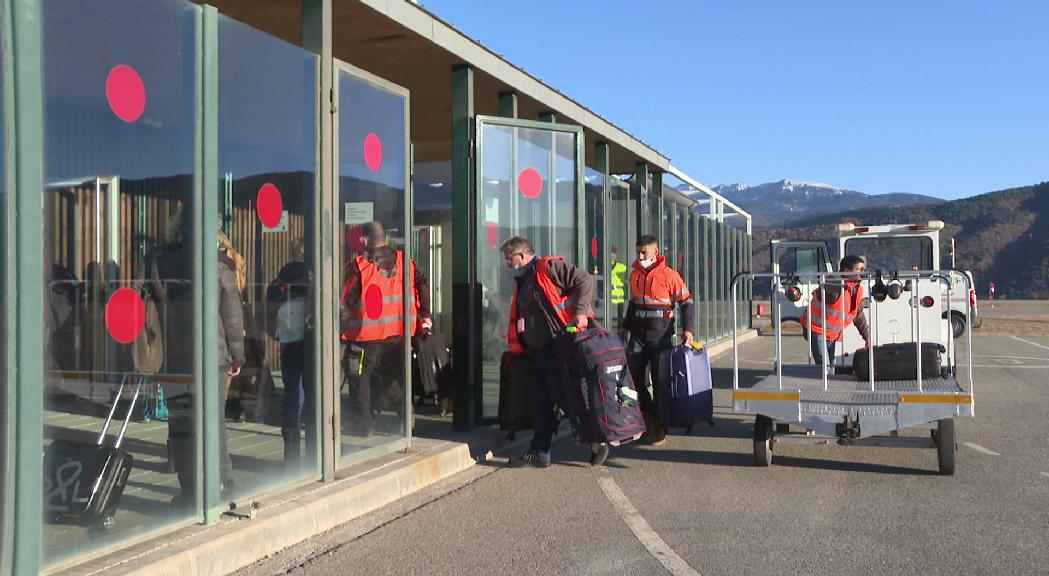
{"points": [[380, 289], [132, 173], [528, 185], [267, 157], [119, 135]]}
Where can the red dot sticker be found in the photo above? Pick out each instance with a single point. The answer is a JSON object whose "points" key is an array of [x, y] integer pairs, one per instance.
{"points": [[492, 232], [269, 205], [373, 152], [593, 247], [373, 302], [126, 93], [530, 183], [125, 315]]}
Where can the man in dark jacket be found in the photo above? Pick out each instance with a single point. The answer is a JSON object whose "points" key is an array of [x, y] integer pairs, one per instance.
{"points": [[535, 328], [373, 328]]}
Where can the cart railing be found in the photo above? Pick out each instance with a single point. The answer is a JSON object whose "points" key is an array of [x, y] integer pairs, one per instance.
{"points": [[784, 281]]}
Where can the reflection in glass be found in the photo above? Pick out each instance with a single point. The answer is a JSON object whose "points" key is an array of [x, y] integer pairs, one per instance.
{"points": [[595, 236], [376, 273], [621, 238], [119, 106], [267, 158]]}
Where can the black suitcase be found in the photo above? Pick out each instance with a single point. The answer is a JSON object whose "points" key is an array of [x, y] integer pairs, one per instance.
{"points": [[601, 392], [84, 482], [429, 357], [515, 393], [899, 362]]}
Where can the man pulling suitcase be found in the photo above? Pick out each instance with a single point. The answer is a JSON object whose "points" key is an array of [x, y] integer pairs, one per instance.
{"points": [[550, 296]]}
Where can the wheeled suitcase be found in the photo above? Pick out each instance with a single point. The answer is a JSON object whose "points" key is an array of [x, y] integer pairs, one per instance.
{"points": [[601, 391], [515, 393], [85, 481], [899, 361], [690, 398]]}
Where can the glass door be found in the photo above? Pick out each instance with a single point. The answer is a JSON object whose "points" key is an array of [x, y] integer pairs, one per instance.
{"points": [[529, 183], [380, 295]]}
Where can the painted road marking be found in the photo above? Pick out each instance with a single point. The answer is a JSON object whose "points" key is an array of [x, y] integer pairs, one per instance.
{"points": [[648, 537], [1042, 346], [980, 449]]}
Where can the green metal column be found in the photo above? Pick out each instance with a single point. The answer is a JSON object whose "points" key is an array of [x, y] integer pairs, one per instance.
{"points": [[640, 192], [466, 302], [206, 297], [317, 38], [657, 190], [705, 254], [603, 164], [508, 104], [24, 286]]}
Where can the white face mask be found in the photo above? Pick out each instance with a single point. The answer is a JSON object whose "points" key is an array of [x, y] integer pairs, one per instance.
{"points": [[646, 264]]}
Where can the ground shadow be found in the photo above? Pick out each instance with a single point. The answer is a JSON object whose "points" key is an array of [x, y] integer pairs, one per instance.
{"points": [[848, 466]]}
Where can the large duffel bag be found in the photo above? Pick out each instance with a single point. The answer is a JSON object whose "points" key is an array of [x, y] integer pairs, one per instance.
{"points": [[601, 391], [899, 361]]}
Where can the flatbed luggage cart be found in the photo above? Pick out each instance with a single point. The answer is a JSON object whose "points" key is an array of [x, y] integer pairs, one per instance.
{"points": [[834, 407]]}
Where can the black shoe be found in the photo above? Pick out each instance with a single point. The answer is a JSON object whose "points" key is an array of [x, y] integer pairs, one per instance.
{"points": [[528, 460], [598, 454]]}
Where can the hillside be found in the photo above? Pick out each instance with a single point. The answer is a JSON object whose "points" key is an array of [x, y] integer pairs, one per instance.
{"points": [[788, 201], [1001, 236]]}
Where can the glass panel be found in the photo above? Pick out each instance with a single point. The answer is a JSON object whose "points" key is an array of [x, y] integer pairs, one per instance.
{"points": [[621, 239], [267, 156], [373, 200], [666, 243], [515, 200], [119, 105], [886, 254], [595, 236], [655, 211]]}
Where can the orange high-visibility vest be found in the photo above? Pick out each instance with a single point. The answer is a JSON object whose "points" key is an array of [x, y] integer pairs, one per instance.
{"points": [[839, 314], [654, 291], [562, 305], [379, 312]]}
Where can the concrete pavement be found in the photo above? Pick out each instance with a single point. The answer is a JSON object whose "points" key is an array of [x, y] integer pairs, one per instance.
{"points": [[817, 510]]}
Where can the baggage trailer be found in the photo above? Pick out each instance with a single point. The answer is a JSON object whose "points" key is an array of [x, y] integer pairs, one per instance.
{"points": [[835, 407]]}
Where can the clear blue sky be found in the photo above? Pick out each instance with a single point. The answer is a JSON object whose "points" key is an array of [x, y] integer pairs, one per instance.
{"points": [[948, 98]]}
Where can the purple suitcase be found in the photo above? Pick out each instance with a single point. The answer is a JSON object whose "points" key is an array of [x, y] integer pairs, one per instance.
{"points": [[690, 398]]}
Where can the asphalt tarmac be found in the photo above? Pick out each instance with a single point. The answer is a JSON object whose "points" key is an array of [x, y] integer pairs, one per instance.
{"points": [[697, 505]]}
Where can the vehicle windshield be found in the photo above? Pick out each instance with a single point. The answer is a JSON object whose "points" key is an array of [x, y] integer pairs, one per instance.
{"points": [[899, 253]]}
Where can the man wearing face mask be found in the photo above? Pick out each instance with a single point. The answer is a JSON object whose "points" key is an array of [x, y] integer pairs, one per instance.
{"points": [[655, 288], [550, 295], [840, 312]]}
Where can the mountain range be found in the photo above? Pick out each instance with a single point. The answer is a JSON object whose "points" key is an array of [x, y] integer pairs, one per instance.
{"points": [[778, 203], [1002, 236]]}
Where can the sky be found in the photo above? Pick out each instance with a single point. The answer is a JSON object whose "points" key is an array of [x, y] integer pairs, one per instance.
{"points": [[946, 98]]}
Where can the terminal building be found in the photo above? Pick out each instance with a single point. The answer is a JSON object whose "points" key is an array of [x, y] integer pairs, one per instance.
{"points": [[179, 174]]}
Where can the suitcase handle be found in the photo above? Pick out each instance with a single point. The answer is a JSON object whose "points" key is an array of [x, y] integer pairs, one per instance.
{"points": [[113, 409]]}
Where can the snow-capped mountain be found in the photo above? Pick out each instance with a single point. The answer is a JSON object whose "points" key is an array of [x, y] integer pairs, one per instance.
{"points": [[776, 203]]}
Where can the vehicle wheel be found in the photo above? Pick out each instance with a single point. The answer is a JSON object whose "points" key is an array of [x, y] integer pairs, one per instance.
{"points": [[957, 324], [945, 446], [762, 441]]}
